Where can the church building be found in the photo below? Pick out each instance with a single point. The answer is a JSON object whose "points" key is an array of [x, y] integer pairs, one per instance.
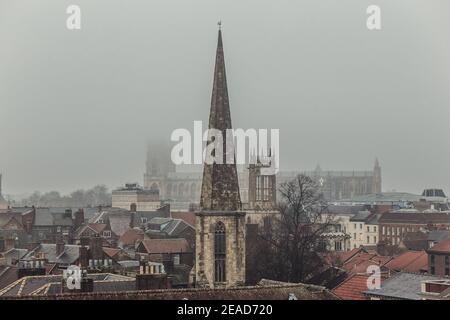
{"points": [[220, 223]]}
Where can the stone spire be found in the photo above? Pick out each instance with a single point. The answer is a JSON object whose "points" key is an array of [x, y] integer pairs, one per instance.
{"points": [[220, 187]]}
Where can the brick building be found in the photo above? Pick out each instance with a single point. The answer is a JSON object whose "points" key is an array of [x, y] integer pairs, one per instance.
{"points": [[393, 226], [439, 258]]}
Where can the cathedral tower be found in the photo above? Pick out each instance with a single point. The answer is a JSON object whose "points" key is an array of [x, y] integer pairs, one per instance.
{"points": [[376, 187], [3, 202], [220, 224]]}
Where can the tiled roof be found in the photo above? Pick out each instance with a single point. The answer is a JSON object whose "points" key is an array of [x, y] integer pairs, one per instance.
{"points": [[111, 252], [415, 217], [6, 217], [443, 246], [97, 227], [362, 216], [259, 292], [362, 260], [352, 288], [69, 256], [51, 284], [169, 226], [188, 217], [410, 261], [165, 245], [403, 285], [8, 274], [131, 236]]}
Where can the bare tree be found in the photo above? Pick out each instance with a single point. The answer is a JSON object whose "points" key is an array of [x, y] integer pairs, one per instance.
{"points": [[290, 247]]}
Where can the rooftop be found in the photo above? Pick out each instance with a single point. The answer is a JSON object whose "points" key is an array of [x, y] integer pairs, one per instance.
{"points": [[269, 291], [410, 261], [352, 288], [403, 286]]}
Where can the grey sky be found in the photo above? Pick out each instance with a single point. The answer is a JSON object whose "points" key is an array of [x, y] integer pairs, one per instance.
{"points": [[77, 107]]}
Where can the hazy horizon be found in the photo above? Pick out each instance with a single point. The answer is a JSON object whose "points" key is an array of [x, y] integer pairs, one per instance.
{"points": [[77, 108]]}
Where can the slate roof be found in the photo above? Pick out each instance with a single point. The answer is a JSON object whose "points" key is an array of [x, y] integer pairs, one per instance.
{"points": [[275, 291], [8, 274], [438, 235], [402, 286], [120, 219], [69, 256], [415, 218], [384, 197], [343, 209], [361, 216], [168, 226], [51, 284]]}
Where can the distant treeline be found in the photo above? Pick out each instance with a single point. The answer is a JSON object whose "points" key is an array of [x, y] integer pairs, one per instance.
{"points": [[96, 196]]}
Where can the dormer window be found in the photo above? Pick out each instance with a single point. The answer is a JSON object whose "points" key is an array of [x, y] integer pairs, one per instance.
{"points": [[107, 234]]}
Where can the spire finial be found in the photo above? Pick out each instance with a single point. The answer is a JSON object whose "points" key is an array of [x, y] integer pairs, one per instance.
{"points": [[220, 24]]}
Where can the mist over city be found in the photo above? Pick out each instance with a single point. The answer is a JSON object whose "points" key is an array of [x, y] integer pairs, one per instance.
{"points": [[234, 153]]}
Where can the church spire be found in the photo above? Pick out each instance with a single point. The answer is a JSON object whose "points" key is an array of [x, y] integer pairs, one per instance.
{"points": [[220, 187]]}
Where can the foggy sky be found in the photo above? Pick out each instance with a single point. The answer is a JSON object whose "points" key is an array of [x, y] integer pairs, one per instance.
{"points": [[78, 107]]}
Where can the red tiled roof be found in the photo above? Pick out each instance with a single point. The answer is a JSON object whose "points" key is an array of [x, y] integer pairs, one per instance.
{"points": [[352, 288], [361, 261], [111, 252], [410, 261], [165, 245], [97, 227], [344, 256], [131, 236], [188, 217], [443, 246]]}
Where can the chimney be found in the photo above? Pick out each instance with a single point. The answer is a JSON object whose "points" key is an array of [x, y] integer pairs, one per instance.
{"points": [[168, 264], [96, 248], [68, 213], [85, 241], [84, 257], [151, 277], [133, 209], [79, 218]]}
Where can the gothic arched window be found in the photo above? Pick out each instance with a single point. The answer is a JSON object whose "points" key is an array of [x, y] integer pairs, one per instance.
{"points": [[219, 253]]}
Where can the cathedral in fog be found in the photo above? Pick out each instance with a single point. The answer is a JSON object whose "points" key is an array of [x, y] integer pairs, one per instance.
{"points": [[183, 188]]}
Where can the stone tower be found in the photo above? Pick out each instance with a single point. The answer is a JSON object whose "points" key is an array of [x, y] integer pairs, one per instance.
{"points": [[376, 188], [3, 202], [262, 189], [220, 223]]}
